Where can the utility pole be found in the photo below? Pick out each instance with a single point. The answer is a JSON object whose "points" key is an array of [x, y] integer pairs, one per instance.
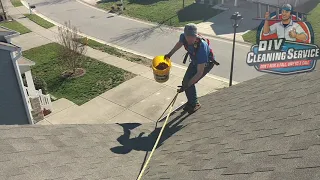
{"points": [[4, 12]]}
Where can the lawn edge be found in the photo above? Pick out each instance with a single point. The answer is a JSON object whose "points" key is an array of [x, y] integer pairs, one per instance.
{"points": [[13, 20], [13, 4], [28, 15]]}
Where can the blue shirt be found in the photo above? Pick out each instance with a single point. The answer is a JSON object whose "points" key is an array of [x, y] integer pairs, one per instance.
{"points": [[202, 55]]}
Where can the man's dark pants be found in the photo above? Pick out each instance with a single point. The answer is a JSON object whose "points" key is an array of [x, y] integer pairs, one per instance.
{"points": [[191, 92]]}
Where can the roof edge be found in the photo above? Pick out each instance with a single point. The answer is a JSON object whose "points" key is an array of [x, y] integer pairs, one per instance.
{"points": [[9, 34], [9, 47], [28, 62]]}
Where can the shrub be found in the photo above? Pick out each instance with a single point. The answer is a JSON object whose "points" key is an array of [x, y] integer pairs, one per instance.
{"points": [[39, 83]]}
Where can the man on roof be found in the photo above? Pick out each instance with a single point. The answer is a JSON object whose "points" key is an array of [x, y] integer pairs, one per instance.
{"points": [[202, 61], [286, 28]]}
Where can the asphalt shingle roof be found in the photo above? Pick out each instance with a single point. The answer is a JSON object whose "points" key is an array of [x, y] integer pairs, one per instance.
{"points": [[66, 152], [267, 128]]}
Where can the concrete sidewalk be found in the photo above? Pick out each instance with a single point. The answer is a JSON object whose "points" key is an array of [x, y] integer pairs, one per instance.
{"points": [[140, 99]]}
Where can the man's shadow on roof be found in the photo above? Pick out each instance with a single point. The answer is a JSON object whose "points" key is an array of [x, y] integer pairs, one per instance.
{"points": [[146, 143]]}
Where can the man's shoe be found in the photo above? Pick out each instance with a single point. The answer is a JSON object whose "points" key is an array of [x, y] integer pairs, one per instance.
{"points": [[194, 108]]}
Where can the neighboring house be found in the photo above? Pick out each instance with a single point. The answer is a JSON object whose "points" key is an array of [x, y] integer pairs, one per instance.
{"points": [[281, 2], [19, 104]]}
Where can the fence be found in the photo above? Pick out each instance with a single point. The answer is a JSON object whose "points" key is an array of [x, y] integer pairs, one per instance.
{"points": [[45, 100]]}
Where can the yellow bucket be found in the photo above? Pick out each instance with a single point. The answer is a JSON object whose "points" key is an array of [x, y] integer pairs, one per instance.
{"points": [[161, 74]]}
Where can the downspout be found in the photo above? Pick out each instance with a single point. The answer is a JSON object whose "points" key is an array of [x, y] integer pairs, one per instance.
{"points": [[19, 79]]}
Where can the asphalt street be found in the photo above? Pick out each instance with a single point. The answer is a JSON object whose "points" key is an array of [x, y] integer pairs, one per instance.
{"points": [[142, 37]]}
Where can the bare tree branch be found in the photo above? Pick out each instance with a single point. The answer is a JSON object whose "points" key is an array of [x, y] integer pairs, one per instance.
{"points": [[74, 46]]}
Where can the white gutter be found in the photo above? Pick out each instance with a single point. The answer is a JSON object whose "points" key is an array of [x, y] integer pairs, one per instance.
{"points": [[9, 47], [19, 79]]}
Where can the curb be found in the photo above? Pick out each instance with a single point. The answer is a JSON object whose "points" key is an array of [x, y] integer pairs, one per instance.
{"points": [[228, 39], [122, 48], [220, 37]]}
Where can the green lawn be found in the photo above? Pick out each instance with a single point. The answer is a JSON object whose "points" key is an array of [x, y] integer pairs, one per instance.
{"points": [[99, 76], [313, 18], [16, 3], [168, 12], [38, 20], [250, 36], [16, 26], [119, 53]]}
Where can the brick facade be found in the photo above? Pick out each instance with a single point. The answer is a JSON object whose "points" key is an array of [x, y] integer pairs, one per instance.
{"points": [[36, 109]]}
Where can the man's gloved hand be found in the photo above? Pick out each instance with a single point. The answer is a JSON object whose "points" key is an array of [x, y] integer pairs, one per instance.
{"points": [[214, 61], [181, 89], [167, 56]]}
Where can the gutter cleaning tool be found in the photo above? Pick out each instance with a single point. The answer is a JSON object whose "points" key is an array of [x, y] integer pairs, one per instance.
{"points": [[161, 68], [159, 136]]}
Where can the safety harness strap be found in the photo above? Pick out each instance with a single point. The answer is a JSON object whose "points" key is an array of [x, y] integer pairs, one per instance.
{"points": [[196, 47]]}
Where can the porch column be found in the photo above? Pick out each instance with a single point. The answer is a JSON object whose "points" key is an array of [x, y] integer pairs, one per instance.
{"points": [[31, 88]]}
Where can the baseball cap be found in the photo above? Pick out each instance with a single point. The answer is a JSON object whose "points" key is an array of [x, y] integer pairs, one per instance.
{"points": [[287, 7], [190, 30]]}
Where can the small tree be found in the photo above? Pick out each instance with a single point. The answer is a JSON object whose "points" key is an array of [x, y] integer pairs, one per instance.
{"points": [[74, 48]]}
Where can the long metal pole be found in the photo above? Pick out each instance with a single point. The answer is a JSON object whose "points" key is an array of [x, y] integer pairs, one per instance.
{"points": [[232, 59]]}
